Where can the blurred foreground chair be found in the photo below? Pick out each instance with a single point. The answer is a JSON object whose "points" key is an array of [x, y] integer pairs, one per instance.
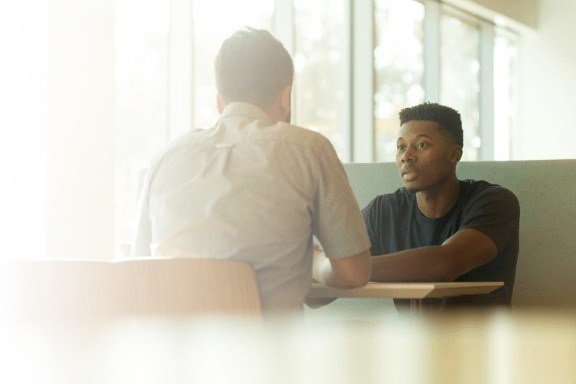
{"points": [[81, 290]]}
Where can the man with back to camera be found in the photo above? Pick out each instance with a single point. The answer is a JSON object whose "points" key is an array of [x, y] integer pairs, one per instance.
{"points": [[439, 228], [255, 188]]}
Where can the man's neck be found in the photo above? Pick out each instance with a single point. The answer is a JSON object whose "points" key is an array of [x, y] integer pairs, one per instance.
{"points": [[438, 202]]}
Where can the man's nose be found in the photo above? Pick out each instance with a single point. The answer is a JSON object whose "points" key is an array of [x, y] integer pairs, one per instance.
{"points": [[407, 156]]}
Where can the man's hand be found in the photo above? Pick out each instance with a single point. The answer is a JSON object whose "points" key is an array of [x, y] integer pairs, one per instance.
{"points": [[317, 303], [346, 272]]}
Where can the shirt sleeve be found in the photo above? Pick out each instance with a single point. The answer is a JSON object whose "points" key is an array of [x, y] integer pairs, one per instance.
{"points": [[496, 213], [337, 220]]}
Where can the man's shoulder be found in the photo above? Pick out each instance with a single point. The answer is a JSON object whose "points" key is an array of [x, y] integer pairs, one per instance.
{"points": [[178, 147], [394, 200], [485, 187], [399, 195], [186, 139], [481, 190], [286, 131]]}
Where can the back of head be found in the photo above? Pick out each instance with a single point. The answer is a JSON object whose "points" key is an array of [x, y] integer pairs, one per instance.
{"points": [[252, 66], [447, 118]]}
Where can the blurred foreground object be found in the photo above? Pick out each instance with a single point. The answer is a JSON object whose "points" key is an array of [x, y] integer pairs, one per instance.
{"points": [[497, 347]]}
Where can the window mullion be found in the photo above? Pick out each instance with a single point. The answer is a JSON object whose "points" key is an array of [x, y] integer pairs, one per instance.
{"points": [[180, 67], [284, 30], [348, 102], [432, 51], [363, 81], [284, 24], [487, 91]]}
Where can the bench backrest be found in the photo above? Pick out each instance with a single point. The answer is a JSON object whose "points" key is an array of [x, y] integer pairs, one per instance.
{"points": [[546, 270]]}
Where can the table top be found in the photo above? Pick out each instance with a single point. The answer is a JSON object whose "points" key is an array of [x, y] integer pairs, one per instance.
{"points": [[449, 348], [405, 290]]}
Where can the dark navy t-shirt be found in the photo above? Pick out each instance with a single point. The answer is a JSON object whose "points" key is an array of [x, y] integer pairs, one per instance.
{"points": [[395, 223]]}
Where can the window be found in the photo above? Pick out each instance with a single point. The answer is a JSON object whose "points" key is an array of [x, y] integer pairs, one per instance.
{"points": [[398, 67], [460, 76], [434, 52], [142, 30], [505, 56], [165, 84], [210, 27], [321, 89], [24, 59], [357, 63]]}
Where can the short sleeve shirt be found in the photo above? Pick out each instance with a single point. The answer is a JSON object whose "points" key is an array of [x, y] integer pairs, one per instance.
{"points": [[253, 190], [395, 223]]}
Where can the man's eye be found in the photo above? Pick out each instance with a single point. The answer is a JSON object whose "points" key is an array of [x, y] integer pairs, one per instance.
{"points": [[400, 148], [422, 145]]}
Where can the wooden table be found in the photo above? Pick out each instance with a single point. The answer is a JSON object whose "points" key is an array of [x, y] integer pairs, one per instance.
{"points": [[447, 348], [413, 291]]}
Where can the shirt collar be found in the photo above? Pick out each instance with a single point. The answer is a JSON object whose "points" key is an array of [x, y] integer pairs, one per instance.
{"points": [[238, 108]]}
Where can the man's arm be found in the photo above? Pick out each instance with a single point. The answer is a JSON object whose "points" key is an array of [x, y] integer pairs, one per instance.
{"points": [[347, 272], [338, 224], [465, 250]]}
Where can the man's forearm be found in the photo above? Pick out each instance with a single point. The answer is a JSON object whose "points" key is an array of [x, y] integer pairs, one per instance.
{"points": [[465, 250], [350, 272], [419, 264]]}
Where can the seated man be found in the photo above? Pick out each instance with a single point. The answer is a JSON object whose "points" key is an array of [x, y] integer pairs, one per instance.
{"points": [[254, 187], [439, 228]]}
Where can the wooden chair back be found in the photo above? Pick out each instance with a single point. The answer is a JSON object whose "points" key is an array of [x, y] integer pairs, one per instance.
{"points": [[81, 290]]}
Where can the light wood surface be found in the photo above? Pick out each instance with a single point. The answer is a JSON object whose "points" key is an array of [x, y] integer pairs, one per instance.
{"points": [[77, 290], [405, 290], [454, 348]]}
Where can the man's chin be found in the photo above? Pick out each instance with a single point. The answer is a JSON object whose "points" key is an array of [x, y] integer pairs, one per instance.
{"points": [[412, 187]]}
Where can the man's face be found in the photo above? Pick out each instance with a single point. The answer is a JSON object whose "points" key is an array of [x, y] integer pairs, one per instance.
{"points": [[426, 156]]}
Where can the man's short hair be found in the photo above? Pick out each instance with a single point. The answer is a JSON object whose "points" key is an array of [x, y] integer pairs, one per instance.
{"points": [[252, 66], [447, 118]]}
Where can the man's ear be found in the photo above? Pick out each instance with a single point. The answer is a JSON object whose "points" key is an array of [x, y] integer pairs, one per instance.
{"points": [[219, 104], [281, 107], [286, 103], [456, 154]]}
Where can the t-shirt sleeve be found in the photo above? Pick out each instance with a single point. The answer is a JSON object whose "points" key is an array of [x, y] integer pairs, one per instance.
{"points": [[496, 213], [337, 222]]}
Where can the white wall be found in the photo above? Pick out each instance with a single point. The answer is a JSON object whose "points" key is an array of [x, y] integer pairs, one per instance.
{"points": [[547, 85], [547, 74], [524, 12], [81, 126]]}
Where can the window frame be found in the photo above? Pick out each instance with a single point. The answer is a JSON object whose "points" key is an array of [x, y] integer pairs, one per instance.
{"points": [[358, 122]]}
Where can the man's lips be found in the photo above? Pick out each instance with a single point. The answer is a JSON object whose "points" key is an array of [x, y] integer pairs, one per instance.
{"points": [[409, 174]]}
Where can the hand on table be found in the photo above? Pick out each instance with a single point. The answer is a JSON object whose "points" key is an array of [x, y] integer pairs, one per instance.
{"points": [[317, 303]]}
